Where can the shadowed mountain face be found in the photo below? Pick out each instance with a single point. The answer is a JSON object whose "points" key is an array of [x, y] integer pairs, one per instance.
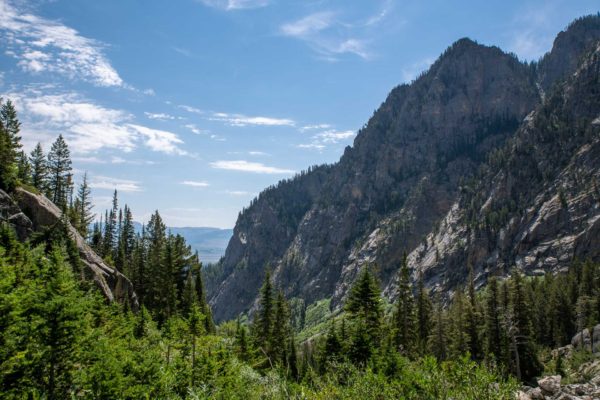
{"points": [[482, 161]]}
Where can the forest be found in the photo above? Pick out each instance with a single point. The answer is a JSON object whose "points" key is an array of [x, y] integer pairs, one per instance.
{"points": [[59, 338]]}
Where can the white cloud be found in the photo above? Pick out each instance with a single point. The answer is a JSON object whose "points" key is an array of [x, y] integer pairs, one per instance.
{"points": [[87, 127], [246, 166], [331, 136], [230, 5], [159, 116], [530, 34], [313, 127], [258, 153], [195, 183], [190, 109], [243, 120], [158, 140], [195, 130], [121, 185], [239, 193], [308, 25], [413, 70], [41, 45], [327, 36]]}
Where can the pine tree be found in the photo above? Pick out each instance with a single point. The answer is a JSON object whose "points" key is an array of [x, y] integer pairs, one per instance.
{"points": [[529, 365], [424, 309], [84, 207], [365, 310], [59, 171], [332, 348], [472, 320], [23, 168], [404, 317], [9, 145], [493, 326], [281, 330], [438, 339], [265, 315], [8, 116], [39, 169]]}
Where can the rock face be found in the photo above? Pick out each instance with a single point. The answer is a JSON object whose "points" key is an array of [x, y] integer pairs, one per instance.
{"points": [[11, 213], [34, 211], [483, 161]]}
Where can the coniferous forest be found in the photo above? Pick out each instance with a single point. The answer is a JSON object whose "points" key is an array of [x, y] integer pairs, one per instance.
{"points": [[59, 338]]}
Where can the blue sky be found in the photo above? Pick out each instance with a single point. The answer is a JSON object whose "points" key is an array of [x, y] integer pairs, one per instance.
{"points": [[193, 107]]}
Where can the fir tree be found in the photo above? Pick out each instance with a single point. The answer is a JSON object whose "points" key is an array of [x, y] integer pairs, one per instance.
{"points": [[492, 323], [472, 320], [23, 168], [281, 330], [365, 310], [404, 318], [84, 207], [39, 169], [424, 309], [265, 315], [59, 171]]}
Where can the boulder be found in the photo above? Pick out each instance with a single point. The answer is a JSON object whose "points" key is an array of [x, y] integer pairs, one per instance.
{"points": [[582, 340], [11, 213], [536, 394], [550, 385], [42, 213]]}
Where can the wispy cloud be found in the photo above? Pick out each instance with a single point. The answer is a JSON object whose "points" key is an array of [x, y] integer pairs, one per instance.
{"points": [[159, 116], [195, 130], [328, 137], [306, 128], [239, 193], [195, 183], [308, 26], [244, 120], [121, 185], [412, 71], [230, 5], [247, 166], [530, 37], [191, 109], [41, 45], [87, 127], [182, 51], [317, 31]]}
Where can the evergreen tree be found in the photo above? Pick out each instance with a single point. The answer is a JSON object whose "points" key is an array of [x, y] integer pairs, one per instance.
{"points": [[365, 310], [528, 363], [84, 207], [424, 309], [23, 168], [404, 318], [473, 320], [265, 315], [8, 116], [281, 330], [438, 338], [493, 325], [39, 169], [9, 145], [59, 171]]}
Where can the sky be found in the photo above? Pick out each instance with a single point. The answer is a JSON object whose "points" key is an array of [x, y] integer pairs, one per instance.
{"points": [[192, 107]]}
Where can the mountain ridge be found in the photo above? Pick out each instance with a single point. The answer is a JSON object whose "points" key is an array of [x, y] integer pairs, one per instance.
{"points": [[403, 175]]}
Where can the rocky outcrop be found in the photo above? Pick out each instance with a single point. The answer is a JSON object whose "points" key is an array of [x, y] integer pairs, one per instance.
{"points": [[42, 213], [550, 387], [11, 214], [586, 340], [476, 163]]}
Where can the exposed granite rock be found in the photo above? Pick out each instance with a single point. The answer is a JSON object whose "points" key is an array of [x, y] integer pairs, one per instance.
{"points": [[11, 213], [407, 185], [43, 213]]}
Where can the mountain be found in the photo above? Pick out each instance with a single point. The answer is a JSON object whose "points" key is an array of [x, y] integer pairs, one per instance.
{"points": [[482, 162], [209, 242]]}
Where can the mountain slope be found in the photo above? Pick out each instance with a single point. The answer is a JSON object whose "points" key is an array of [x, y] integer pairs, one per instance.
{"points": [[401, 186]]}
